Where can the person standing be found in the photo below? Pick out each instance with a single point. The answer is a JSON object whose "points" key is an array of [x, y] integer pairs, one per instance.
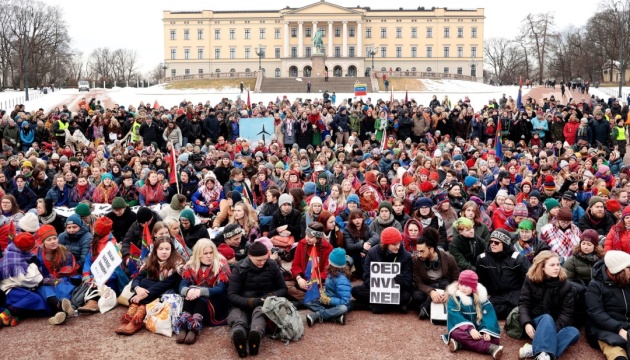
{"points": [[308, 87]]}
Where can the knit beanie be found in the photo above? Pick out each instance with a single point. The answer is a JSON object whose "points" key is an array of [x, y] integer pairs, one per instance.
{"points": [[469, 278], [189, 215], [257, 249], [370, 177], [309, 188], [407, 180], [337, 257], [266, 241], [564, 214], [463, 221], [227, 252], [626, 212], [502, 235], [107, 176], [616, 261], [74, 219], [176, 203], [236, 197], [353, 198], [520, 210], [549, 184], [425, 171], [386, 204], [434, 176], [144, 214], [316, 200], [422, 202], [591, 236], [285, 199], [44, 232], [536, 194], [119, 203], [551, 203], [470, 181], [613, 205], [24, 241], [441, 198], [279, 165], [390, 236], [602, 191], [83, 210], [29, 222], [426, 187], [594, 200], [103, 226], [502, 192]]}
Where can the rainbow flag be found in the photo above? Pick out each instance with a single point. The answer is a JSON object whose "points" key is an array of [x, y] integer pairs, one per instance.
{"points": [[172, 175], [146, 242], [312, 276], [498, 147]]}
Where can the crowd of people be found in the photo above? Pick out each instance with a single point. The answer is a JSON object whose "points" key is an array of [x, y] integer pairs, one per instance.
{"points": [[533, 228]]}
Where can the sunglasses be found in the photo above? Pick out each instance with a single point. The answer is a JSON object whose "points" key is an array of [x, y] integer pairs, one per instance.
{"points": [[494, 242]]}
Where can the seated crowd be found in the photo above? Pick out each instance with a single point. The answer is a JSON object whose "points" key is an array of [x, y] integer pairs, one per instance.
{"points": [[534, 229]]}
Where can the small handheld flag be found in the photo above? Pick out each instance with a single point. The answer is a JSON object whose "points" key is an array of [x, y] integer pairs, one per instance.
{"points": [[312, 276]]}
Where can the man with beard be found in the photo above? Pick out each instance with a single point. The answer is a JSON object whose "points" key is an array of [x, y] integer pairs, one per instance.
{"points": [[562, 235], [75, 167], [549, 188], [473, 187], [433, 268], [596, 217], [503, 271], [503, 182]]}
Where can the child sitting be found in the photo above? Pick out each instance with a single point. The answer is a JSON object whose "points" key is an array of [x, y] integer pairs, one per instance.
{"points": [[471, 321], [335, 296]]}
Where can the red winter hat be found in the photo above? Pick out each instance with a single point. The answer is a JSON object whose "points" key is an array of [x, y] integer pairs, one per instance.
{"points": [[434, 176], [227, 252], [24, 241], [425, 171], [626, 211], [44, 232], [390, 236], [370, 177], [426, 187], [469, 278], [407, 180], [613, 205], [103, 226]]}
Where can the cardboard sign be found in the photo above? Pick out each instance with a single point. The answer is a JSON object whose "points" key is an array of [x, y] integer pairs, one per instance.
{"points": [[438, 311], [383, 289], [105, 264]]}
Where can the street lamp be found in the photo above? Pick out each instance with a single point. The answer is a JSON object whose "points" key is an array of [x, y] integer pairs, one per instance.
{"points": [[372, 52], [164, 67], [29, 14], [621, 24], [260, 52]]}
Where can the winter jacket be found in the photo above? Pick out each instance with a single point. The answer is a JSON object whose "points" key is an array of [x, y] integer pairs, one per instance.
{"points": [[149, 133], [121, 224], [570, 132], [11, 135], [466, 250], [159, 287], [602, 227], [338, 289], [556, 128], [601, 132], [292, 220], [249, 284], [618, 238], [134, 235], [78, 244], [420, 125], [379, 254], [607, 308], [377, 228], [552, 297], [58, 197], [355, 245], [300, 259], [580, 267], [26, 199], [340, 120], [405, 124], [175, 136], [422, 281], [304, 138], [194, 233], [211, 128], [27, 136]]}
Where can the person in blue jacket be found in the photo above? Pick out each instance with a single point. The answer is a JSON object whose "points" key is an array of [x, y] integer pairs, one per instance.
{"points": [[60, 193], [77, 238], [334, 301], [27, 136]]}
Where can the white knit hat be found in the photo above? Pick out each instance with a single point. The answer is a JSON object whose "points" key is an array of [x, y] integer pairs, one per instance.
{"points": [[29, 222], [285, 199], [616, 261], [316, 200]]}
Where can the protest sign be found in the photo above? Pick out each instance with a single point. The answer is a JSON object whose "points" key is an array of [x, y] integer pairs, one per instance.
{"points": [[383, 289], [105, 264]]}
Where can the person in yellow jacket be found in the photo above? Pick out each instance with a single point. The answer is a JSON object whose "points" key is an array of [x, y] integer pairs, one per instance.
{"points": [[135, 130], [619, 136]]}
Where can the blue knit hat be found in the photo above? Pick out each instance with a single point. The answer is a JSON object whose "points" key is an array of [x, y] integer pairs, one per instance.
{"points": [[353, 198], [470, 181], [107, 175], [337, 258], [422, 202], [366, 155], [309, 188], [74, 219]]}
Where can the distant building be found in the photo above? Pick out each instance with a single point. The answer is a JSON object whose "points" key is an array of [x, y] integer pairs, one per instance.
{"points": [[435, 40]]}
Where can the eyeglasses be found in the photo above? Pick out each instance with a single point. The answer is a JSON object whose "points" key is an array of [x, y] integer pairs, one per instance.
{"points": [[508, 204]]}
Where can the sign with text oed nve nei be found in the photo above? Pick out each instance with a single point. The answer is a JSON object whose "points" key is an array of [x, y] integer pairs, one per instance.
{"points": [[383, 289]]}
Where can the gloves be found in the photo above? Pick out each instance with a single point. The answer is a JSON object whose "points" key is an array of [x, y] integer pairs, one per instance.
{"points": [[323, 298], [398, 279], [340, 129], [48, 281]]}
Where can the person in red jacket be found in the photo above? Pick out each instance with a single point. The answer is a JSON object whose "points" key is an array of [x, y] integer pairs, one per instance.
{"points": [[618, 237], [500, 215], [314, 238], [570, 129]]}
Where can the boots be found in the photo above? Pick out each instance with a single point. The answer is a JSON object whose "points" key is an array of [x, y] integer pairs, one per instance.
{"points": [[254, 342], [313, 318], [496, 351], [125, 319], [194, 327], [66, 306], [7, 319], [239, 339], [136, 322], [58, 319], [91, 306], [341, 319], [181, 327]]}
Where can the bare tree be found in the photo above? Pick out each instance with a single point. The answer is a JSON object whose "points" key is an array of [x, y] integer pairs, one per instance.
{"points": [[155, 75], [536, 31]]}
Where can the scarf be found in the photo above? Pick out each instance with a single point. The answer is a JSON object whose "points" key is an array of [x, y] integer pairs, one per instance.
{"points": [[109, 192], [205, 277], [591, 258], [152, 194], [551, 298], [385, 223], [303, 125], [81, 189], [48, 219], [15, 262], [213, 194], [582, 130], [527, 251], [289, 125]]}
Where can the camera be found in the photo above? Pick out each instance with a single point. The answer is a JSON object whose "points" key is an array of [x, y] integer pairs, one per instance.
{"points": [[281, 252], [196, 157]]}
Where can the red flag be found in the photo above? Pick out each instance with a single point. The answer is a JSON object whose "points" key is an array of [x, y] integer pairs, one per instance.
{"points": [[520, 81], [13, 231], [406, 93], [172, 174], [249, 104], [156, 105]]}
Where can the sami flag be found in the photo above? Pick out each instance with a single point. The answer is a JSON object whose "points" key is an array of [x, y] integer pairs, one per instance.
{"points": [[497, 141], [12, 231], [146, 242], [312, 274], [360, 89], [172, 175]]}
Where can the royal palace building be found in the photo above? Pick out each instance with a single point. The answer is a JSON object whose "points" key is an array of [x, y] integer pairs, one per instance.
{"points": [[354, 40]]}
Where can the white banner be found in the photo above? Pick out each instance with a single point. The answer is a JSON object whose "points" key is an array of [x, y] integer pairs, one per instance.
{"points": [[105, 264], [383, 289]]}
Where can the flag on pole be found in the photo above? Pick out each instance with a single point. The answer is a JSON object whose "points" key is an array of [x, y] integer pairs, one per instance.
{"points": [[497, 141], [391, 97], [312, 276], [249, 104], [172, 175], [519, 101], [146, 242], [406, 94], [156, 105]]}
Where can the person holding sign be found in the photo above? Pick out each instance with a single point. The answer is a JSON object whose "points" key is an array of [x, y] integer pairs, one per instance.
{"points": [[471, 321], [387, 276]]}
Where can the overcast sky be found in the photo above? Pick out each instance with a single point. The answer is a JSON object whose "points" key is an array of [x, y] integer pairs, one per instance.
{"points": [[137, 24]]}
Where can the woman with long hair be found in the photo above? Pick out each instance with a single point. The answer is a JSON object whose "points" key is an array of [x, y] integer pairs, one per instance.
{"points": [[336, 201], [447, 212], [618, 237], [311, 214], [246, 218], [82, 191], [160, 273], [152, 192], [48, 215], [204, 289], [10, 208], [471, 211], [332, 233], [546, 308], [166, 228], [106, 191]]}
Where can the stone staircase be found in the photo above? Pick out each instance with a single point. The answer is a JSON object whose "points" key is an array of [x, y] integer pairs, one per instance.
{"points": [[318, 85]]}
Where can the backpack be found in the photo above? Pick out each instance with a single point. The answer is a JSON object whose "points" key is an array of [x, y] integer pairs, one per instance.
{"points": [[290, 326], [513, 326]]}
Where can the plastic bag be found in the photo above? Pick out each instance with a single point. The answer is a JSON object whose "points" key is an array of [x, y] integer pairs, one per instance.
{"points": [[158, 319], [107, 300]]}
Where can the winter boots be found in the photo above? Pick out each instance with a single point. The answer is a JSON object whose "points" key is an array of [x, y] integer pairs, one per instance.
{"points": [[240, 342], [181, 327], [189, 328], [133, 320], [91, 306], [61, 316], [313, 318]]}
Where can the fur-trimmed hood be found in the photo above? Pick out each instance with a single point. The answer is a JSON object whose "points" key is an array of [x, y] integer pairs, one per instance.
{"points": [[467, 300]]}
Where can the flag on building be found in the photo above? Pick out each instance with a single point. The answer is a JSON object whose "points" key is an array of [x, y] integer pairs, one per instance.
{"points": [[312, 276]]}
